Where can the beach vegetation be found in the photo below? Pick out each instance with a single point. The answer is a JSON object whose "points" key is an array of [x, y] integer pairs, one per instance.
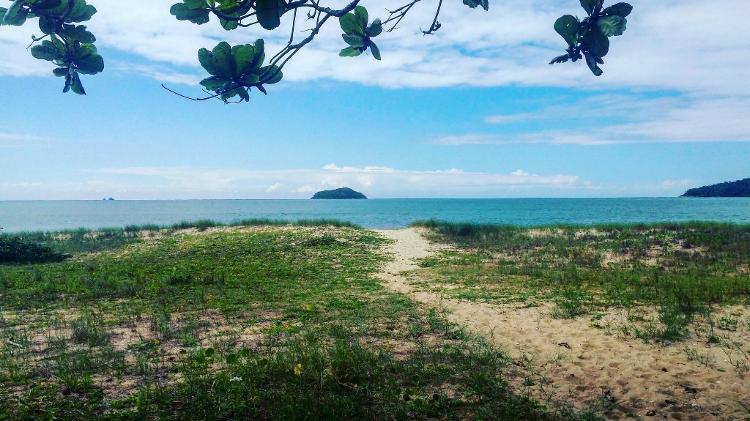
{"points": [[680, 271], [17, 250], [235, 71], [260, 321]]}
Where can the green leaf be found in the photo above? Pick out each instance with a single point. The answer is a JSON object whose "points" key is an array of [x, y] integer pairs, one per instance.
{"points": [[244, 94], [80, 12], [269, 13], [223, 60], [61, 71], [560, 59], [229, 24], [182, 12], [354, 40], [250, 79], [47, 25], [81, 51], [593, 64], [228, 6], [474, 3], [78, 33], [362, 16], [46, 51], [375, 29], [619, 9], [612, 26], [350, 24], [567, 27], [59, 44], [196, 4], [231, 93], [90, 64], [2, 14], [271, 74], [375, 50], [207, 61], [15, 15], [44, 4], [76, 85], [59, 10], [595, 42], [219, 61], [214, 83], [590, 5], [244, 58], [260, 53], [350, 52]]}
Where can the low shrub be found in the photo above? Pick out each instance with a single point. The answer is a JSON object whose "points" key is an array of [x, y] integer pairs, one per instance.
{"points": [[14, 250]]}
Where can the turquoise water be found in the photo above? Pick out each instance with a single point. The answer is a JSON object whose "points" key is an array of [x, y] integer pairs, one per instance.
{"points": [[391, 213]]}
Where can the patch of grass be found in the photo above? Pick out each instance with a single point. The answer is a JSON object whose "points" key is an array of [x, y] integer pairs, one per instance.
{"points": [[675, 320], [682, 270], [89, 329], [74, 369], [270, 323], [80, 240], [705, 359], [301, 223], [727, 323], [340, 380], [84, 240], [572, 303]]}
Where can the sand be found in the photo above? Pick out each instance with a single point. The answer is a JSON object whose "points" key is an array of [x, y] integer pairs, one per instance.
{"points": [[577, 363]]}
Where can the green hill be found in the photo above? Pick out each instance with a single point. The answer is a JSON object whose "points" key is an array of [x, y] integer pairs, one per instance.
{"points": [[342, 193], [739, 188]]}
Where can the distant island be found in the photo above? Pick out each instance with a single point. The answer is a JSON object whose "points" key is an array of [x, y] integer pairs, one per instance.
{"points": [[739, 188], [342, 193]]}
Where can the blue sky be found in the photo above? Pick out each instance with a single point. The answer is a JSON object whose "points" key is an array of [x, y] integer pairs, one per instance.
{"points": [[472, 112]]}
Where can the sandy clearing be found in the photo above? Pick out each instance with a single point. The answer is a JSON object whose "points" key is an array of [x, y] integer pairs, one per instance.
{"points": [[579, 363]]}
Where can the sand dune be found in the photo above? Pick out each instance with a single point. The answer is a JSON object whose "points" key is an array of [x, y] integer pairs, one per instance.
{"points": [[577, 363]]}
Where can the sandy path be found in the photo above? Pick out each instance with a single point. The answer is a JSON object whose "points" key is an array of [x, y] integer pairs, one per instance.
{"points": [[579, 363]]}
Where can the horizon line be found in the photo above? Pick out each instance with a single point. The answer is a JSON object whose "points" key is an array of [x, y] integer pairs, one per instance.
{"points": [[369, 198]]}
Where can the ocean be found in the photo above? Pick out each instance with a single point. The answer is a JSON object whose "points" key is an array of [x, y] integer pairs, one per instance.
{"points": [[374, 213]]}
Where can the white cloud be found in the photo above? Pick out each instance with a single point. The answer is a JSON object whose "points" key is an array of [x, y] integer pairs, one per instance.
{"points": [[16, 60], [375, 181], [614, 119], [673, 44], [676, 184], [159, 73], [696, 48], [18, 139], [549, 137], [274, 187], [710, 119]]}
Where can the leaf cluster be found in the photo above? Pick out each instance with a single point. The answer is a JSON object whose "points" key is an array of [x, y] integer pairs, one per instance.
{"points": [[235, 70], [589, 38], [359, 34], [231, 12], [475, 3], [70, 47]]}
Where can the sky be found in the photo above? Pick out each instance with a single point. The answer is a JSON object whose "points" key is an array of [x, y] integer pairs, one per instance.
{"points": [[472, 111]]}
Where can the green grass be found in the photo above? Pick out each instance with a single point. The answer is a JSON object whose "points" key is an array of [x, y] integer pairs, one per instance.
{"points": [[269, 322], [84, 240], [684, 270]]}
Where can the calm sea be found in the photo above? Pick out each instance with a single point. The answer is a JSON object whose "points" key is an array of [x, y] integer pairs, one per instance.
{"points": [[387, 213]]}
